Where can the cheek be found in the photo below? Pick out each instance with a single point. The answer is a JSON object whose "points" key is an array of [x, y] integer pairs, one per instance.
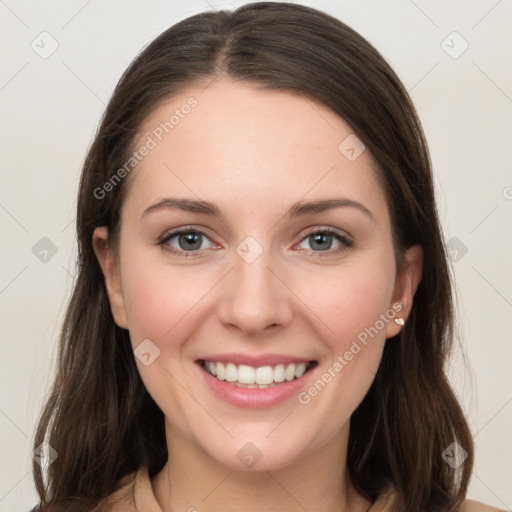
{"points": [[162, 305], [159, 301], [353, 307], [350, 300]]}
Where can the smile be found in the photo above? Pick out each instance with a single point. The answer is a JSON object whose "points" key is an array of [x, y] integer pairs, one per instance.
{"points": [[262, 377]]}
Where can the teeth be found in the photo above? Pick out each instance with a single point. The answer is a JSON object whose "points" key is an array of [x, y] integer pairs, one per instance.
{"points": [[246, 374], [289, 373], [220, 371], [230, 374], [301, 370], [264, 375], [261, 377], [279, 373]]}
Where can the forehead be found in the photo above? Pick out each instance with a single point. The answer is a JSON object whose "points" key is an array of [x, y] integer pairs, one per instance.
{"points": [[227, 140]]}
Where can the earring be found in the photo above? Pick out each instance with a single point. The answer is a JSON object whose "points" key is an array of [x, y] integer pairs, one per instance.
{"points": [[399, 321]]}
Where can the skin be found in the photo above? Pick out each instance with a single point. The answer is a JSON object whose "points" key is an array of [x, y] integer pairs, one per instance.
{"points": [[255, 153]]}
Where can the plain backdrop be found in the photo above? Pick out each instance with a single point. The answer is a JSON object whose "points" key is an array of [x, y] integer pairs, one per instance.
{"points": [[454, 58]]}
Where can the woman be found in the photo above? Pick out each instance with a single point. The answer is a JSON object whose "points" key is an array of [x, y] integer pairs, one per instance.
{"points": [[263, 305]]}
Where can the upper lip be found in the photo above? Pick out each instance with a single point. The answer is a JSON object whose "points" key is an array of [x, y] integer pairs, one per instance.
{"points": [[256, 360]]}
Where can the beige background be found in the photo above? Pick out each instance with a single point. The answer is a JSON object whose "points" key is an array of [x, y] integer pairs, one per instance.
{"points": [[50, 109]]}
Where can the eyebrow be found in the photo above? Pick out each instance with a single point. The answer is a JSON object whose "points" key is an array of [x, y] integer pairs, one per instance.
{"points": [[299, 209]]}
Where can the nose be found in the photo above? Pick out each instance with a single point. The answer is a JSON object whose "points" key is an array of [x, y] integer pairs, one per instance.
{"points": [[254, 297]]}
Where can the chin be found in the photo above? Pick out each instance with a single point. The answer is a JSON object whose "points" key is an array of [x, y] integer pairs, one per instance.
{"points": [[257, 452]]}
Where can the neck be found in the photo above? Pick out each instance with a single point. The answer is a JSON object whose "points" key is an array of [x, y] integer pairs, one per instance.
{"points": [[193, 481]]}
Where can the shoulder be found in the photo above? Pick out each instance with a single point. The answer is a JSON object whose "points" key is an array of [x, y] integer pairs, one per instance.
{"points": [[476, 506], [387, 503], [122, 499]]}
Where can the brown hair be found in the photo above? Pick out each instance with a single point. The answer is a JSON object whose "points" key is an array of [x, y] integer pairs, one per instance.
{"points": [[99, 417]]}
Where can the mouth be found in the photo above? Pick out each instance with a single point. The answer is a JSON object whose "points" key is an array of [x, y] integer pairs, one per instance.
{"points": [[261, 377]]}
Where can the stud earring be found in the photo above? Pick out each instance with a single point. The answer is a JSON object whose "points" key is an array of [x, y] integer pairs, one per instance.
{"points": [[399, 321]]}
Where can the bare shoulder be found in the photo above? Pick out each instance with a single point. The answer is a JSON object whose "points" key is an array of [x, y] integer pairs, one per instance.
{"points": [[476, 506]]}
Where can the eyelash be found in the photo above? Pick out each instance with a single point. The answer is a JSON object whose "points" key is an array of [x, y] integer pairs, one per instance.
{"points": [[346, 242]]}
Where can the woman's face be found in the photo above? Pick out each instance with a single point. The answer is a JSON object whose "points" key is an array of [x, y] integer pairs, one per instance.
{"points": [[267, 274]]}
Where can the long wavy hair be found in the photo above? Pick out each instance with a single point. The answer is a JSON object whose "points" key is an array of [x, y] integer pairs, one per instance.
{"points": [[99, 417]]}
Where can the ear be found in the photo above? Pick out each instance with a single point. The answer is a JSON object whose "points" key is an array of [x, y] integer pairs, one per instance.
{"points": [[407, 280], [110, 267]]}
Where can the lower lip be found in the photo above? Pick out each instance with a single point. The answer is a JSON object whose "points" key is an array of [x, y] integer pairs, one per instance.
{"points": [[255, 397]]}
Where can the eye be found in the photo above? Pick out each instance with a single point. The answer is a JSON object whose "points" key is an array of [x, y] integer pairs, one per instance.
{"points": [[184, 241], [187, 242], [321, 240]]}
